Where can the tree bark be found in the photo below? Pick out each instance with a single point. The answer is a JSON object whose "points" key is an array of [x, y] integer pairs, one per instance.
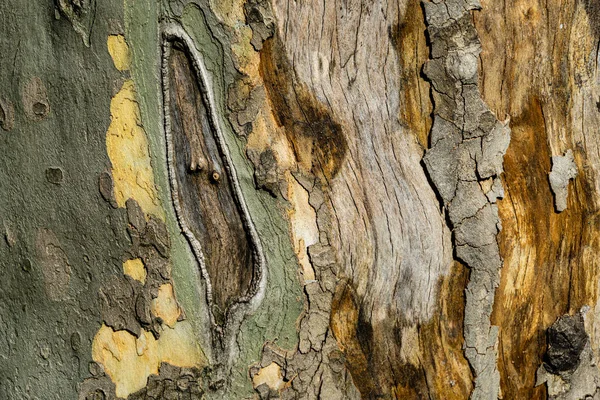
{"points": [[299, 199]]}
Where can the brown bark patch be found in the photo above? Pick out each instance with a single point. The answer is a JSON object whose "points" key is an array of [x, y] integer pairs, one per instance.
{"points": [[447, 371], [344, 324], [205, 190], [408, 38], [524, 242], [546, 271], [439, 369], [317, 138]]}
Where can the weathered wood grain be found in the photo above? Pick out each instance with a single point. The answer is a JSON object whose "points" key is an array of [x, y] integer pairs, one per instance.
{"points": [[540, 67], [385, 225], [205, 192]]}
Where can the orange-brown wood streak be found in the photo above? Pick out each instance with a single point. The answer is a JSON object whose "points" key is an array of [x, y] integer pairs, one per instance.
{"points": [[529, 73]]}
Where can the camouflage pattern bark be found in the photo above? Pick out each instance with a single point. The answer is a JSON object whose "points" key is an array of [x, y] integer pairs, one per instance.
{"points": [[300, 200]]}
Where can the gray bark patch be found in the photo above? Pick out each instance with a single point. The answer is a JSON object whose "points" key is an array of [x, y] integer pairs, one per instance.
{"points": [[81, 14], [107, 189], [172, 383], [465, 162], [266, 172], [563, 170], [259, 17], [99, 387]]}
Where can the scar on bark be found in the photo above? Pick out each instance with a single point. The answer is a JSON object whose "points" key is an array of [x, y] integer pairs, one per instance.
{"points": [[206, 195]]}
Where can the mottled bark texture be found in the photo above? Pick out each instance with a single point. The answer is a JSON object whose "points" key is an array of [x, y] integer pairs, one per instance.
{"points": [[299, 199], [465, 161]]}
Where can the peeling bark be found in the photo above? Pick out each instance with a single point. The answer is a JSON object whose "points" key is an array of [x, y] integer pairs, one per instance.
{"points": [[256, 199], [467, 148]]}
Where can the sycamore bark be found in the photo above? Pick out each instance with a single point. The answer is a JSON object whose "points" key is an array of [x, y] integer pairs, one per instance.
{"points": [[299, 199]]}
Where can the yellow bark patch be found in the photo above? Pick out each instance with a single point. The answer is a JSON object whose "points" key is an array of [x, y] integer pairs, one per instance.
{"points": [[119, 51], [229, 11], [165, 306], [259, 138], [127, 148], [269, 375], [129, 361], [303, 220], [135, 269], [247, 58]]}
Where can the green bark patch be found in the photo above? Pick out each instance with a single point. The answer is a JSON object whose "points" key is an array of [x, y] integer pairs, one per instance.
{"points": [[59, 239]]}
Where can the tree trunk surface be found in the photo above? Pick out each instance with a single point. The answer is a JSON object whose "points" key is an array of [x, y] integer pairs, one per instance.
{"points": [[259, 199]]}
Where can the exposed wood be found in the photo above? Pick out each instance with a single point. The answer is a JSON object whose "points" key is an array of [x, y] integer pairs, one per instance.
{"points": [[205, 192], [540, 67], [253, 199]]}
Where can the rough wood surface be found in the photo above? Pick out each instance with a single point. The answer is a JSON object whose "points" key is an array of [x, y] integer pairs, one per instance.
{"points": [[540, 67], [205, 192], [421, 179]]}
